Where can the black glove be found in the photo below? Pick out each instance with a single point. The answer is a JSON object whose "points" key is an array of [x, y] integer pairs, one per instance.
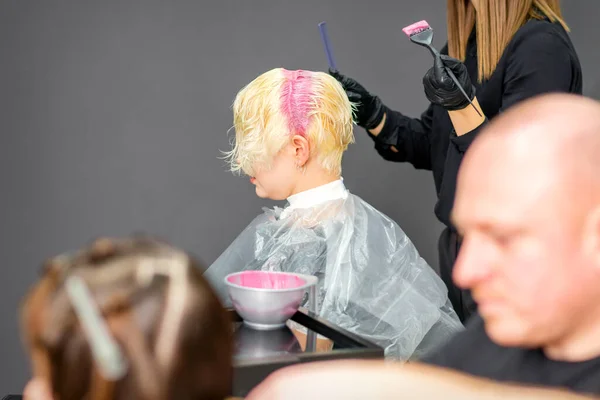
{"points": [[440, 89], [370, 109]]}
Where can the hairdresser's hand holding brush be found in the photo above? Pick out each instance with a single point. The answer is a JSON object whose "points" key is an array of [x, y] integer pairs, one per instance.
{"points": [[442, 90], [370, 109]]}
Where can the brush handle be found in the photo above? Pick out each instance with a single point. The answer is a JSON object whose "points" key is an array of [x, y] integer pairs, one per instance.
{"points": [[436, 53], [327, 45], [449, 71]]}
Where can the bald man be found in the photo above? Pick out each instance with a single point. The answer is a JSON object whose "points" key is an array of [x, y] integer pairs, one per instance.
{"points": [[528, 209]]}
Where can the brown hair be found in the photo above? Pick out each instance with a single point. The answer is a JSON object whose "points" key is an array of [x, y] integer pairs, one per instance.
{"points": [[137, 311], [497, 21]]}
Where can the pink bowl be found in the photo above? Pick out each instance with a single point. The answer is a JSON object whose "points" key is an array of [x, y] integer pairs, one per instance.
{"points": [[266, 280], [265, 299]]}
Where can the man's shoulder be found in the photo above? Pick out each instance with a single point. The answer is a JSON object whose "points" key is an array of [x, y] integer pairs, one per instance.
{"points": [[473, 352], [469, 348]]}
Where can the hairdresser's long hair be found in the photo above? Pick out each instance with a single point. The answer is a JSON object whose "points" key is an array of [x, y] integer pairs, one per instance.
{"points": [[496, 22], [174, 334]]}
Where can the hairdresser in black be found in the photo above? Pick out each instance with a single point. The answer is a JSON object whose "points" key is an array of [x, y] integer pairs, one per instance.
{"points": [[503, 61]]}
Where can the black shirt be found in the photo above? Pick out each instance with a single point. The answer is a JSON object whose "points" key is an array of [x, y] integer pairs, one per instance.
{"points": [[473, 352], [540, 58]]}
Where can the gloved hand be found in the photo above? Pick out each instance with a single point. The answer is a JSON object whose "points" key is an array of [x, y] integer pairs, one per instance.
{"points": [[440, 88], [370, 109]]}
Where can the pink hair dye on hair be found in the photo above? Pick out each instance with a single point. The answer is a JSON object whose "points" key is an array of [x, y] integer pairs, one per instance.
{"points": [[296, 99]]}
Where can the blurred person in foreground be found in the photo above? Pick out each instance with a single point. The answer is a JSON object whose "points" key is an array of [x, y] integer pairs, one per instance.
{"points": [[126, 319]]}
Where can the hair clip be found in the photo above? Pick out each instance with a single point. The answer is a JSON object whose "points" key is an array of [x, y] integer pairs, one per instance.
{"points": [[173, 266], [105, 350]]}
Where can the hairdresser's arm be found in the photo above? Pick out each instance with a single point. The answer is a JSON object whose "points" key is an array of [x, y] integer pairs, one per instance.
{"points": [[441, 90], [397, 137], [467, 120], [379, 380], [403, 139], [459, 100]]}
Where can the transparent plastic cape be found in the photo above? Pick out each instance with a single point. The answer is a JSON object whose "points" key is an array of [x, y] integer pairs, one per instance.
{"points": [[372, 281]]}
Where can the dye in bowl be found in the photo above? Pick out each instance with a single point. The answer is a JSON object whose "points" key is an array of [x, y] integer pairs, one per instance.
{"points": [[266, 299]]}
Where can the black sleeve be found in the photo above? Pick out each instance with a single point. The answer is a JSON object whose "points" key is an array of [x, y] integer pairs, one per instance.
{"points": [[410, 136]]}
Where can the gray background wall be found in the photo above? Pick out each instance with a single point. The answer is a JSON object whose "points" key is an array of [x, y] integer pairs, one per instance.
{"points": [[112, 114]]}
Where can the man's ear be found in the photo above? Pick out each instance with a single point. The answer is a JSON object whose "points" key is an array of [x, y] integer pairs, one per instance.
{"points": [[591, 237], [301, 148]]}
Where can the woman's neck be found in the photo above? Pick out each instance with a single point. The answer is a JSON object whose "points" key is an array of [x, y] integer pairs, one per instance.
{"points": [[313, 179]]}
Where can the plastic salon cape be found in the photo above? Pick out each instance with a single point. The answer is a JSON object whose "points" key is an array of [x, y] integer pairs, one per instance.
{"points": [[372, 281]]}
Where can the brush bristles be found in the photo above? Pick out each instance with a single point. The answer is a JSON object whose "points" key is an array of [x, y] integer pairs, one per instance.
{"points": [[416, 28]]}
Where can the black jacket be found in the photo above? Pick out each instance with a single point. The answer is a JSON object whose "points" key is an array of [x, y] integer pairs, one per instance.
{"points": [[473, 352], [540, 58]]}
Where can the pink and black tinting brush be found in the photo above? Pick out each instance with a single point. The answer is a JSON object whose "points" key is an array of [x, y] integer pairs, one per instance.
{"points": [[422, 34]]}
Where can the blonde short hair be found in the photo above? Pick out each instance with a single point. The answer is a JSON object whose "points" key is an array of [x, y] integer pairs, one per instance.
{"points": [[279, 104]]}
